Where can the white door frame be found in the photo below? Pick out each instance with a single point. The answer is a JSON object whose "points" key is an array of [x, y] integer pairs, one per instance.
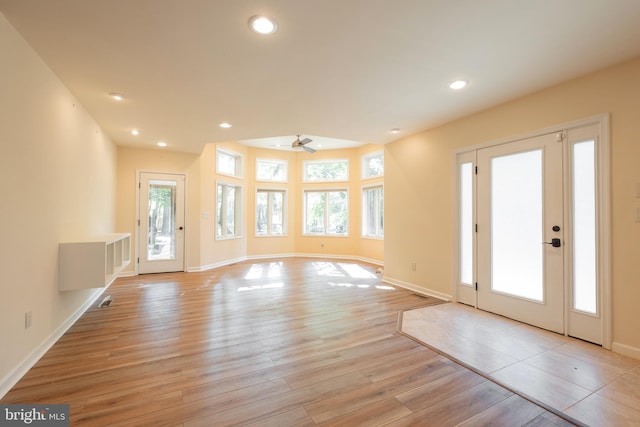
{"points": [[139, 173], [603, 188]]}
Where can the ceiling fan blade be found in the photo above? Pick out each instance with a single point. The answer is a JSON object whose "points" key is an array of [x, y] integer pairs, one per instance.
{"points": [[308, 149], [305, 141]]}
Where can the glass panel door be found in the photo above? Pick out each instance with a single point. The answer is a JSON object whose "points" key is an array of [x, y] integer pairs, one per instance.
{"points": [[161, 223], [516, 225], [161, 242], [520, 231]]}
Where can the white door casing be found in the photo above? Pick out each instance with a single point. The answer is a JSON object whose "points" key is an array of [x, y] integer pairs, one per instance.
{"points": [[161, 232]]}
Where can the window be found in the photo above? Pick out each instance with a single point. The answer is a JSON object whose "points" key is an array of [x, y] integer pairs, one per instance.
{"points": [[326, 212], [228, 163], [585, 289], [373, 212], [466, 224], [373, 165], [271, 170], [326, 170], [270, 212], [228, 210]]}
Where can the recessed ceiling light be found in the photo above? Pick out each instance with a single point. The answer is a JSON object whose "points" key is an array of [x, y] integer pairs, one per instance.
{"points": [[395, 130], [262, 25], [135, 132], [162, 144], [225, 125], [458, 84], [117, 96]]}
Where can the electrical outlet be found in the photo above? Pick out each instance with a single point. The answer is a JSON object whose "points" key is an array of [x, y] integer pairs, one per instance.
{"points": [[27, 320], [413, 266]]}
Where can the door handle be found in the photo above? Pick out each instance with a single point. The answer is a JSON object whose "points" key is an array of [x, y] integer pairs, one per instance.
{"points": [[180, 228], [555, 242]]}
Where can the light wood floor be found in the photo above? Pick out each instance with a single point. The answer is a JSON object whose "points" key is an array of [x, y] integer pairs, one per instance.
{"points": [[294, 342], [592, 385]]}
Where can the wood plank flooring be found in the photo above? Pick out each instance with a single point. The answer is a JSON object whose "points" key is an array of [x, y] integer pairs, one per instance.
{"points": [[591, 385], [283, 342]]}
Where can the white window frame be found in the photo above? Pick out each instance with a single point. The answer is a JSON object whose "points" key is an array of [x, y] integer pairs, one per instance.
{"points": [[237, 214], [305, 163], [326, 216], [269, 211], [365, 164], [285, 163], [239, 162], [379, 234]]}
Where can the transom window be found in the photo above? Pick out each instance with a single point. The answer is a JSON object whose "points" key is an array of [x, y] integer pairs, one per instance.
{"points": [[271, 212], [326, 170], [228, 163], [326, 212], [271, 170], [373, 165]]}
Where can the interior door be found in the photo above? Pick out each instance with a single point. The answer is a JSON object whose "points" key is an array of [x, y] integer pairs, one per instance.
{"points": [[520, 231], [161, 223]]}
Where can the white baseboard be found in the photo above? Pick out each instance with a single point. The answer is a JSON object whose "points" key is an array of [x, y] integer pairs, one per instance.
{"points": [[417, 289], [626, 350], [11, 379], [216, 265]]}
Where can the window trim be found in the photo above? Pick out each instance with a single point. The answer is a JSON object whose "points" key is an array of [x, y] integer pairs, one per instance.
{"points": [[281, 161], [285, 205], [238, 210], [307, 162], [326, 218], [378, 235], [364, 168], [239, 158]]}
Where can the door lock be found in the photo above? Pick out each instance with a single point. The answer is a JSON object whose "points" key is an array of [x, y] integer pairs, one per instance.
{"points": [[556, 243]]}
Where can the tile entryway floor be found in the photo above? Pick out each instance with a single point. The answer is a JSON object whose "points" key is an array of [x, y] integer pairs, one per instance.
{"points": [[586, 382]]}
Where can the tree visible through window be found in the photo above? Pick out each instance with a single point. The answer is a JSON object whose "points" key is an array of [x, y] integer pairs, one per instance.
{"points": [[373, 165], [271, 170], [270, 213], [326, 212], [373, 212], [326, 170], [228, 163], [228, 210]]}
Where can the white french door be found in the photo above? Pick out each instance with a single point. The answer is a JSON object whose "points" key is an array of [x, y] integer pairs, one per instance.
{"points": [[161, 223], [520, 231], [533, 230]]}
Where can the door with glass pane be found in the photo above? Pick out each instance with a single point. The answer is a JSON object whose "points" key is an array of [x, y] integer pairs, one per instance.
{"points": [[521, 231], [161, 223]]}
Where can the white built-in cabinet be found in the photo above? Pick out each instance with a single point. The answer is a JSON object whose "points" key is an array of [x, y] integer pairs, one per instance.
{"points": [[93, 263]]}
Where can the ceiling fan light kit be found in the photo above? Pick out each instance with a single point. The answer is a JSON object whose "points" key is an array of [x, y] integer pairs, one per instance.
{"points": [[303, 143]]}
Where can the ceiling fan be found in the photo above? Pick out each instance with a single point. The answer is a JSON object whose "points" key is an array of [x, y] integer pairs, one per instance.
{"points": [[303, 143]]}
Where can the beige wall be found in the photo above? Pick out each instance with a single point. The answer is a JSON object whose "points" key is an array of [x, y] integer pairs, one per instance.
{"points": [[131, 161], [58, 184], [203, 251], [419, 184]]}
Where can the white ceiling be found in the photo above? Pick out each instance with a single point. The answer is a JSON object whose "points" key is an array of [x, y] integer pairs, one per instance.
{"points": [[345, 70]]}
